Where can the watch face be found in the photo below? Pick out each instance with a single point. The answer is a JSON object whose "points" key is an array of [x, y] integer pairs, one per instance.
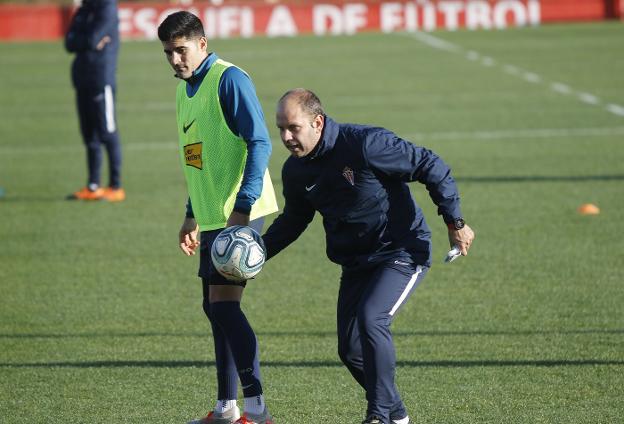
{"points": [[459, 224]]}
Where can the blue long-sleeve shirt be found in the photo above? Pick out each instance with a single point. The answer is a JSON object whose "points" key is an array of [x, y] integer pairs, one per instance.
{"points": [[93, 21], [243, 115], [356, 178]]}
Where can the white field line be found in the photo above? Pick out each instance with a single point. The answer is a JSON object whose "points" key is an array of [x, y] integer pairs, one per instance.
{"points": [[560, 88], [616, 109], [488, 61], [126, 145], [148, 106], [588, 98], [530, 77], [473, 56], [435, 42], [477, 135], [512, 70], [538, 133]]}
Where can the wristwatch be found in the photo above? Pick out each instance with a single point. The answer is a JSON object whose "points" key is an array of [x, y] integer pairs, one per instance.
{"points": [[457, 224]]}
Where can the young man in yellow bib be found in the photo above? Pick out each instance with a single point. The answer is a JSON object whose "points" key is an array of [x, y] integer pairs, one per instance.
{"points": [[224, 148]]}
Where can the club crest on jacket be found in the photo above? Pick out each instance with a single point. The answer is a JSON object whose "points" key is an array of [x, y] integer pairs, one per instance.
{"points": [[348, 174]]}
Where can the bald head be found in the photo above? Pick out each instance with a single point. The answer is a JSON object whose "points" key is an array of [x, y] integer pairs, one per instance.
{"points": [[300, 119], [309, 102]]}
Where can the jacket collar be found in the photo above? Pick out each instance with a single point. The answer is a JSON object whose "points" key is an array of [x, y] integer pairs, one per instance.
{"points": [[327, 141], [201, 71], [194, 81]]}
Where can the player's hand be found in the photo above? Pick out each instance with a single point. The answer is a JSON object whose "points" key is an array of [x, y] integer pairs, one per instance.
{"points": [[461, 238], [103, 42], [188, 236], [237, 218]]}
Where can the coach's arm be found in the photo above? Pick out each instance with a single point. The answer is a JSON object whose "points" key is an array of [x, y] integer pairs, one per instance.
{"points": [[292, 222], [394, 157]]}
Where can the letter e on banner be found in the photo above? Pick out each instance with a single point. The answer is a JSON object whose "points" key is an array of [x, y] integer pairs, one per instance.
{"points": [[145, 22], [125, 20]]}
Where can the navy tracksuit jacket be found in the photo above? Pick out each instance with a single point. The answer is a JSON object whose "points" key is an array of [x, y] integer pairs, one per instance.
{"points": [[92, 21], [357, 179]]}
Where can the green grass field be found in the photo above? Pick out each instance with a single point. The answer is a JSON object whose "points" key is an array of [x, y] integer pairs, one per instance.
{"points": [[100, 314]]}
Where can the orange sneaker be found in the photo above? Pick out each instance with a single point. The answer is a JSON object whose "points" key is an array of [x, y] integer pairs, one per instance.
{"points": [[113, 194], [227, 417], [86, 194], [248, 418]]}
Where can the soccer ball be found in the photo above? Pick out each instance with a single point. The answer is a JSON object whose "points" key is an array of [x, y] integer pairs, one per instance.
{"points": [[238, 253]]}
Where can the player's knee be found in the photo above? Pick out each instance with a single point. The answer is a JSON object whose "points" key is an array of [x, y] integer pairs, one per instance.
{"points": [[109, 138], [343, 354], [371, 322], [92, 144], [206, 307], [346, 351], [223, 312]]}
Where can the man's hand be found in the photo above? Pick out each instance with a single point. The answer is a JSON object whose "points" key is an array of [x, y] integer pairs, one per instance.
{"points": [[237, 218], [188, 236], [103, 42], [461, 238]]}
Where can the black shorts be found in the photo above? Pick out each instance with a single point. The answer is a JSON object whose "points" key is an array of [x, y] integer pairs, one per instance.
{"points": [[207, 271]]}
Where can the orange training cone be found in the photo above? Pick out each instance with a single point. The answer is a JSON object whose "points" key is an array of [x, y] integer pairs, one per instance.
{"points": [[588, 209]]}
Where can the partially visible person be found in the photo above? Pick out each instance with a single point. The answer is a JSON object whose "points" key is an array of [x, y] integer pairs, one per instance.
{"points": [[93, 36], [224, 148], [356, 177]]}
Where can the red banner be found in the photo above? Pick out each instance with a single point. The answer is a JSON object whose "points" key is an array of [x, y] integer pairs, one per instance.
{"points": [[248, 19], [32, 22], [337, 18]]}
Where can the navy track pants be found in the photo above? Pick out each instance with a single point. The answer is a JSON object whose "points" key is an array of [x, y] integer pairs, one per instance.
{"points": [[98, 125], [367, 304]]}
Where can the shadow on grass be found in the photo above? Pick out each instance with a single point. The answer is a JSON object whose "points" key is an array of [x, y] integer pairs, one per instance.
{"points": [[318, 364], [295, 333], [10, 198], [539, 178], [21, 198]]}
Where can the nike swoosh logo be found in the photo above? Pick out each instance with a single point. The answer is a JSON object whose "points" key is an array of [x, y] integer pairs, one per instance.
{"points": [[310, 188], [185, 128]]}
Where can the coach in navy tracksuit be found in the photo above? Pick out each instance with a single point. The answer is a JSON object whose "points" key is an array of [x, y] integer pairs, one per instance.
{"points": [[93, 36], [356, 176]]}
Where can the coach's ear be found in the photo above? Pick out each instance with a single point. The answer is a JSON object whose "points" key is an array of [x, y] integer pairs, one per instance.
{"points": [[318, 124]]}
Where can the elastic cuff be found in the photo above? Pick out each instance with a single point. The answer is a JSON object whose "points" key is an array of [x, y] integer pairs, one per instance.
{"points": [[448, 219], [242, 210], [242, 206]]}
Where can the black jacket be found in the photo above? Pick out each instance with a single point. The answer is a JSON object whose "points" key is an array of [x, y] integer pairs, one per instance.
{"points": [[92, 21], [356, 179]]}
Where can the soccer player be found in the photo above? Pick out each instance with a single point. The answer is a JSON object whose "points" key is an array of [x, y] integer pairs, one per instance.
{"points": [[93, 36], [224, 148], [355, 176]]}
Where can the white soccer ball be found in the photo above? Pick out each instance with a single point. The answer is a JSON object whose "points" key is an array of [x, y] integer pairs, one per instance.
{"points": [[238, 253]]}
